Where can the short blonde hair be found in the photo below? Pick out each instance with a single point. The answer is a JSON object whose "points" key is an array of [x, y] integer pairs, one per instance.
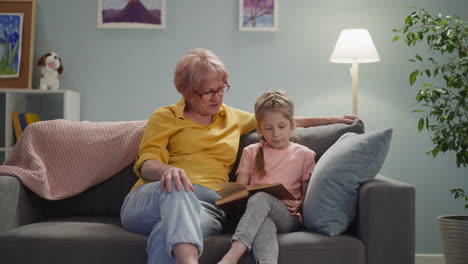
{"points": [[195, 68]]}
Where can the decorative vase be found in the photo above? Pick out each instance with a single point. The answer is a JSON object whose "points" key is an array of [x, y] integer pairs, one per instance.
{"points": [[454, 234]]}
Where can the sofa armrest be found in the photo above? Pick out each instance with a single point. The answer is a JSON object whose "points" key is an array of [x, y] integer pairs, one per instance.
{"points": [[16, 206], [386, 221]]}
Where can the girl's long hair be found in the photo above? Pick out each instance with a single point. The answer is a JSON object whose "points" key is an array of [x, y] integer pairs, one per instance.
{"points": [[272, 101]]}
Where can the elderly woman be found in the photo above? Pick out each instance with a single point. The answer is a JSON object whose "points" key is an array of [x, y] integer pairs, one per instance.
{"points": [[186, 150]]}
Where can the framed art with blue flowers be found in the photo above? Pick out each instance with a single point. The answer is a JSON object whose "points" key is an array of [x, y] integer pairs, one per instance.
{"points": [[17, 27]]}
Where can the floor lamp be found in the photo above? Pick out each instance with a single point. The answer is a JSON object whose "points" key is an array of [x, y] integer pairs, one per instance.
{"points": [[354, 46]]}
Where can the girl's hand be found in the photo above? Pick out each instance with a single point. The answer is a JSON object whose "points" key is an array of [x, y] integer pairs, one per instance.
{"points": [[178, 176], [293, 205]]}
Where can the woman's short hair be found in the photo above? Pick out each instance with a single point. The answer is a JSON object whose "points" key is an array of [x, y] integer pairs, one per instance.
{"points": [[195, 68]]}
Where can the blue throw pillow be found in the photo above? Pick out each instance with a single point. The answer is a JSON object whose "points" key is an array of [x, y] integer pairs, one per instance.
{"points": [[331, 200]]}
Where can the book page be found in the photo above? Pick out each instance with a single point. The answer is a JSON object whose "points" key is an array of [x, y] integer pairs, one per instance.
{"points": [[226, 192], [236, 195], [231, 185]]}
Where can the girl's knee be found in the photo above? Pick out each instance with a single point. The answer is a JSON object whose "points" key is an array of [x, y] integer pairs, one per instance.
{"points": [[260, 197]]}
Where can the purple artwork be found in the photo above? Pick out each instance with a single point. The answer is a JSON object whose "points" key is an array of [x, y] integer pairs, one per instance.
{"points": [[131, 13], [258, 15]]}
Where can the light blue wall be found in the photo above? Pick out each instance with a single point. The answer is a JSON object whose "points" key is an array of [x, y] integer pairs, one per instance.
{"points": [[125, 74]]}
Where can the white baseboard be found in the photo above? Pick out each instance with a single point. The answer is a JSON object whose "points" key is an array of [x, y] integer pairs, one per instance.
{"points": [[430, 259]]}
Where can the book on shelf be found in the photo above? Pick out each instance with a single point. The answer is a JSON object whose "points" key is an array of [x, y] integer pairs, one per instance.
{"points": [[31, 118], [22, 120], [16, 124], [232, 192]]}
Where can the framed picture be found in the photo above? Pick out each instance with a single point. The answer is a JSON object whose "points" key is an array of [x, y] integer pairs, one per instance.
{"points": [[131, 14], [17, 27], [258, 15]]}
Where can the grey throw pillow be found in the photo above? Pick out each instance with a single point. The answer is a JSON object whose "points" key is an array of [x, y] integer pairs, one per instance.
{"points": [[331, 200]]}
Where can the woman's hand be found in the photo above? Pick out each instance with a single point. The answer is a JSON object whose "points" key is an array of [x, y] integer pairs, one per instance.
{"points": [[178, 176], [346, 119], [293, 206], [153, 170]]}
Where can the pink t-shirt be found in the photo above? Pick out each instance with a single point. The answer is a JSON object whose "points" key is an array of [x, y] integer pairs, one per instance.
{"points": [[290, 166]]}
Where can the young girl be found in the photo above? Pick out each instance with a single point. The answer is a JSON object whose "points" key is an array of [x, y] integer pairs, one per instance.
{"points": [[274, 159]]}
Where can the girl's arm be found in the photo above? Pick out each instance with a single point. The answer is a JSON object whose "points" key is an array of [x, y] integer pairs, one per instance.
{"points": [[295, 206], [243, 178], [304, 184], [319, 121]]}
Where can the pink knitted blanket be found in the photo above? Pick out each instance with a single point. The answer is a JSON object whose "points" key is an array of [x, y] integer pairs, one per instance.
{"points": [[59, 158]]}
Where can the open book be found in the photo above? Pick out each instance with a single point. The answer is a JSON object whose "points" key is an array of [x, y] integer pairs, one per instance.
{"points": [[232, 192]]}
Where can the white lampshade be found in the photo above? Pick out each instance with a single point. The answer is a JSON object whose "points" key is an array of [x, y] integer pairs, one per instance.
{"points": [[354, 45]]}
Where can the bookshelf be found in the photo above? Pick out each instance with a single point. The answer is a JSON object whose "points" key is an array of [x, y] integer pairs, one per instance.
{"points": [[57, 104]]}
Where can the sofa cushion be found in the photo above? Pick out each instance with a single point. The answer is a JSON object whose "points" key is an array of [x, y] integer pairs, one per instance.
{"points": [[104, 199], [91, 240], [330, 204], [298, 248]]}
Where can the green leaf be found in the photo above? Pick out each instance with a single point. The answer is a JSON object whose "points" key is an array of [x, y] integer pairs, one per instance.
{"points": [[420, 124], [408, 20], [440, 90], [428, 72], [413, 76], [395, 38], [419, 97], [419, 58], [435, 151]]}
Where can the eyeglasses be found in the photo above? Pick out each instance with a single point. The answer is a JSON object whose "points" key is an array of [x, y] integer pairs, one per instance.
{"points": [[209, 95]]}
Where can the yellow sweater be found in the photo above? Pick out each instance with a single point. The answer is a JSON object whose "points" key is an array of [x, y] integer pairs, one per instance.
{"points": [[205, 152]]}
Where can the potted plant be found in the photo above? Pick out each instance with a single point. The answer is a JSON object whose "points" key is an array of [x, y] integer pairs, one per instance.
{"points": [[443, 71]]}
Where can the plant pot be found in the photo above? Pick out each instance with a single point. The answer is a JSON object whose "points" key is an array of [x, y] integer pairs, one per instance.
{"points": [[454, 234]]}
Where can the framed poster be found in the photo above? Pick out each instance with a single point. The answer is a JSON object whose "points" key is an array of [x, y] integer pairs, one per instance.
{"points": [[258, 15], [17, 27], [131, 14]]}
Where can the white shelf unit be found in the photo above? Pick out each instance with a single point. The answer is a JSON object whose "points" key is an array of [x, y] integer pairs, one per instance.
{"points": [[57, 104]]}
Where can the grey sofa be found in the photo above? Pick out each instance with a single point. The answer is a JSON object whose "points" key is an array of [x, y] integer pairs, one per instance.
{"points": [[86, 228]]}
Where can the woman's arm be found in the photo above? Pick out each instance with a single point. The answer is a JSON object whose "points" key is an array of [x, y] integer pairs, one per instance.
{"points": [[319, 121], [153, 170]]}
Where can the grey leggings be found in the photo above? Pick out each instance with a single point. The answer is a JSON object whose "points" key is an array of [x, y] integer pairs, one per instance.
{"points": [[264, 216]]}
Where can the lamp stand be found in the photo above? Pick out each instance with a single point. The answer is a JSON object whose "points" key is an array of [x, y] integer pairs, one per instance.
{"points": [[354, 76]]}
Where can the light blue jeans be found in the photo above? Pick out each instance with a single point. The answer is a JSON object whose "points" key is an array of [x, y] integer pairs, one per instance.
{"points": [[264, 216], [171, 218]]}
